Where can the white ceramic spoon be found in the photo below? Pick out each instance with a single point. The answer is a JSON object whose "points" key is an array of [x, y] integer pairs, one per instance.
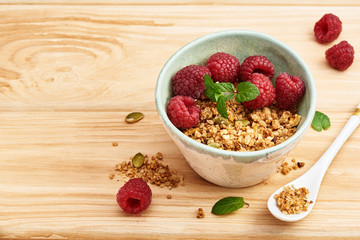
{"points": [[313, 177]]}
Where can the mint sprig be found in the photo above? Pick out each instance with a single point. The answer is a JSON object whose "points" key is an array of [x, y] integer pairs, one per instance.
{"points": [[320, 121], [228, 205], [222, 92]]}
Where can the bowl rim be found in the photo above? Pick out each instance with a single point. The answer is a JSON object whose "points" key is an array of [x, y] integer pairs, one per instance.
{"points": [[227, 153]]}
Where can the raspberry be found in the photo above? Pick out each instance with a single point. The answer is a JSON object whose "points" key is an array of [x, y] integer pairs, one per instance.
{"points": [[256, 64], [340, 56], [134, 196], [328, 28], [267, 92], [183, 112], [189, 81], [223, 67], [289, 90]]}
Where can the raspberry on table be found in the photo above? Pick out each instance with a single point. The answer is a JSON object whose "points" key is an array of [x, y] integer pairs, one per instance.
{"points": [[267, 92], [135, 196], [223, 67], [289, 90], [340, 56], [256, 64], [328, 28], [183, 112], [189, 81]]}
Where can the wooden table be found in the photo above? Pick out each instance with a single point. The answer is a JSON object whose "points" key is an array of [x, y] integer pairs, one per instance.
{"points": [[71, 71]]}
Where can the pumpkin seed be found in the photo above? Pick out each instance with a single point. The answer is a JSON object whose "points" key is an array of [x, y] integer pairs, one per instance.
{"points": [[221, 120], [138, 160], [214, 144], [244, 122], [134, 117]]}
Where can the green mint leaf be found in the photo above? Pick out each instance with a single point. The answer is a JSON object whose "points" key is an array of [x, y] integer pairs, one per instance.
{"points": [[320, 121], [228, 96], [225, 87], [227, 205], [212, 91], [247, 91], [221, 107]]}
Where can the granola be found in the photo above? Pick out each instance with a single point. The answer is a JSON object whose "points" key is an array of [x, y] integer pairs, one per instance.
{"points": [[151, 171], [293, 200], [244, 130]]}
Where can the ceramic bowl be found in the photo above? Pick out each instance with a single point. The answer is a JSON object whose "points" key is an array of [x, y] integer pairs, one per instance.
{"points": [[231, 168]]}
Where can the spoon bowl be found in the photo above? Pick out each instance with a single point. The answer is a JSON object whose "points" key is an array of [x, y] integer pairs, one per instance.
{"points": [[313, 177]]}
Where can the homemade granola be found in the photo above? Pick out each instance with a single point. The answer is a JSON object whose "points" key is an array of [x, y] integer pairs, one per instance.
{"points": [[244, 130], [152, 171], [293, 200]]}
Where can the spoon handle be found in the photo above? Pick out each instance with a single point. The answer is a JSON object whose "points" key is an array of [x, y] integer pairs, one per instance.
{"points": [[323, 163]]}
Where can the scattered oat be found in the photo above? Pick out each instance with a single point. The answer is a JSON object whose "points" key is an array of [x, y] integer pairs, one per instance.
{"points": [[111, 176], [200, 213], [169, 196], [285, 168], [159, 156], [115, 144], [244, 130], [152, 171], [293, 200]]}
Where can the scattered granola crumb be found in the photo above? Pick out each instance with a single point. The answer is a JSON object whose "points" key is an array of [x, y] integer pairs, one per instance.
{"points": [[169, 196], [159, 156], [152, 171], [111, 176], [200, 213], [293, 200], [285, 168], [300, 164], [115, 144]]}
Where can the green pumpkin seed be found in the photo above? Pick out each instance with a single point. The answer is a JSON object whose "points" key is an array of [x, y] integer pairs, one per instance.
{"points": [[138, 160], [245, 122], [134, 117], [221, 120], [214, 144]]}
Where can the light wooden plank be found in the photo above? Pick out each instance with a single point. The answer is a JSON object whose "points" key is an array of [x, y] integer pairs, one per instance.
{"points": [[70, 74]]}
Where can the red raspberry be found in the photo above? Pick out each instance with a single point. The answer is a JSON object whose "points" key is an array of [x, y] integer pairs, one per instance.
{"points": [[189, 81], [183, 112], [223, 67], [328, 28], [340, 56], [289, 90], [134, 196], [256, 64], [267, 92]]}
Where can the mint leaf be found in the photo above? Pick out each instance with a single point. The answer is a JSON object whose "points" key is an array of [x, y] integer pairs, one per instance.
{"points": [[247, 91], [320, 121], [221, 107], [228, 96], [227, 205], [225, 86], [212, 91], [227, 89]]}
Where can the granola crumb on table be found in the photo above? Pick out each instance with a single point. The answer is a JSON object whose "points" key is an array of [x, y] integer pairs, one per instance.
{"points": [[244, 130], [293, 200], [285, 168], [152, 171], [200, 213]]}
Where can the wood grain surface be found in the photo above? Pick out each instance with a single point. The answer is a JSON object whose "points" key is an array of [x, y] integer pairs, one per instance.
{"points": [[71, 71]]}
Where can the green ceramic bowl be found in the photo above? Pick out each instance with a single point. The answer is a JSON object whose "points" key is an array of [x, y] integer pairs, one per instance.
{"points": [[230, 168]]}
